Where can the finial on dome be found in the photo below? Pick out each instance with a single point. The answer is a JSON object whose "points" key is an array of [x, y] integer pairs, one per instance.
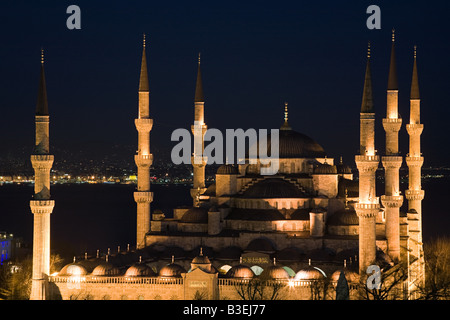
{"points": [[118, 248], [274, 261], [240, 260], [201, 251], [345, 263], [107, 258], [85, 256], [128, 247], [74, 259], [309, 261], [98, 253], [140, 259], [173, 259]]}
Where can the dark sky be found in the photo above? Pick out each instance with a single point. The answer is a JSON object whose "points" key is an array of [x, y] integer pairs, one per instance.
{"points": [[255, 56]]}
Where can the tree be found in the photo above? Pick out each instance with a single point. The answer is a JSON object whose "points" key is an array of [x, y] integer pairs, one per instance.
{"points": [[437, 270], [391, 284], [259, 288]]}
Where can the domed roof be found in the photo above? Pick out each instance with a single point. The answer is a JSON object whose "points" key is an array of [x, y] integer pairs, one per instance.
{"points": [[350, 275], [293, 144], [325, 168], [73, 269], [310, 273], [275, 273], [139, 270], [227, 169], [195, 215], [273, 188], [201, 259], [240, 272], [342, 168], [344, 217], [105, 269], [171, 270], [261, 245]]}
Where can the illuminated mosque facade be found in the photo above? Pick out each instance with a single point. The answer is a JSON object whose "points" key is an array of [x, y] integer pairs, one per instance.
{"points": [[309, 224]]}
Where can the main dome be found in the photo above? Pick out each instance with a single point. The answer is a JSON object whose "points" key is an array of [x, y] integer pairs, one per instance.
{"points": [[293, 144]]}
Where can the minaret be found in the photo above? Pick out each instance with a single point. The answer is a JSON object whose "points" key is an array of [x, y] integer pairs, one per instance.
{"points": [[41, 205], [367, 163], [414, 160], [144, 158], [392, 200], [199, 128]]}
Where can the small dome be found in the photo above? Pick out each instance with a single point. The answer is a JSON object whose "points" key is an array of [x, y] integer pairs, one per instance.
{"points": [[73, 269], [350, 276], [325, 169], [105, 269], [275, 273], [195, 215], [261, 245], [240, 272], [344, 217], [343, 169], [310, 273], [171, 270], [140, 270], [227, 169], [201, 259]]}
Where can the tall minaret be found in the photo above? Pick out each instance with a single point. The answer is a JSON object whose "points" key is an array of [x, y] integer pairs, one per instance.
{"points": [[367, 163], [414, 160], [392, 200], [199, 128], [144, 158], [41, 205]]}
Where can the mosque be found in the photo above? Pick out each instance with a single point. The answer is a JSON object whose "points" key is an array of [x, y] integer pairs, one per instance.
{"points": [[310, 224]]}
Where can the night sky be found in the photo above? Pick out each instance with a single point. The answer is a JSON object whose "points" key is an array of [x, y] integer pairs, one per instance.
{"points": [[255, 56]]}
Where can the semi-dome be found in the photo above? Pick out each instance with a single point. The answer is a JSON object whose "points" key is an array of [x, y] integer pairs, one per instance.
{"points": [[105, 269], [293, 144], [261, 245], [275, 273], [140, 270], [273, 188], [240, 272], [195, 215], [227, 169], [344, 217], [172, 270]]}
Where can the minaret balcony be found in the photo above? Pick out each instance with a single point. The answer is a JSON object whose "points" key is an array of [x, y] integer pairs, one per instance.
{"points": [[199, 161], [392, 124], [143, 196], [392, 201], [143, 160], [38, 118], [42, 206], [415, 194], [414, 129], [367, 210], [414, 161], [143, 125], [392, 162], [42, 161]]}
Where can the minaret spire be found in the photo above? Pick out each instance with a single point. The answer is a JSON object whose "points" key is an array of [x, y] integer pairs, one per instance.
{"points": [[367, 162], [143, 159], [199, 85], [367, 100], [41, 205], [198, 130], [392, 161], [415, 94]]}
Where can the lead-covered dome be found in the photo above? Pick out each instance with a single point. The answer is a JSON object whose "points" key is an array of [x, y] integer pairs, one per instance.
{"points": [[240, 272], [172, 270], [344, 217], [293, 144], [274, 273], [73, 269], [227, 169], [310, 273], [105, 269], [140, 270], [195, 215]]}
